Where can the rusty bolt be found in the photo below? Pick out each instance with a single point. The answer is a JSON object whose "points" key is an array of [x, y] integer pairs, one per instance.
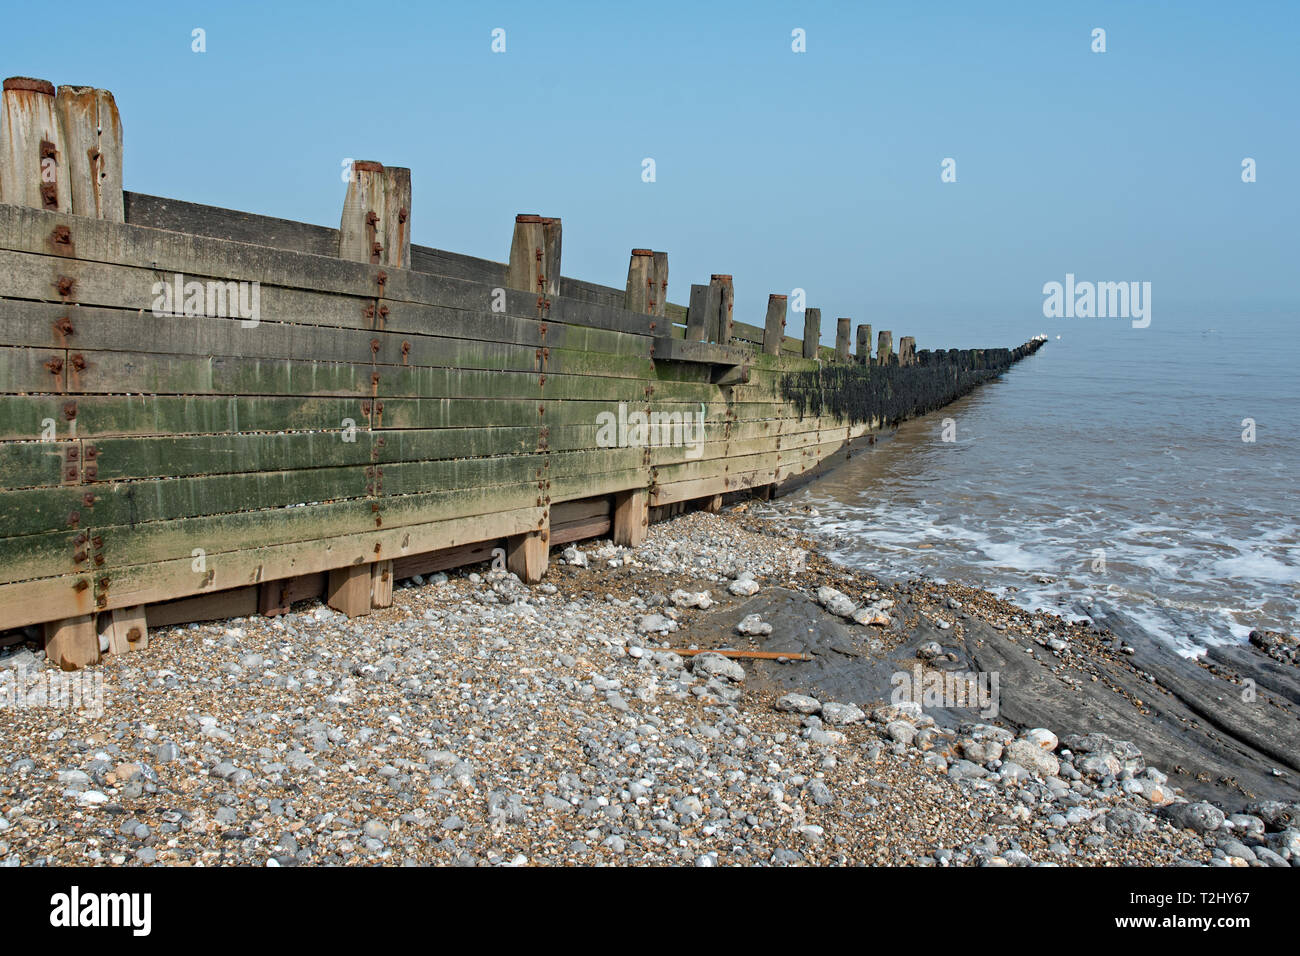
{"points": [[88, 499], [134, 634], [376, 248], [79, 362], [81, 585], [62, 235], [65, 285], [365, 408], [72, 453], [374, 346], [382, 277], [71, 472], [406, 349], [64, 326], [79, 557], [91, 453], [80, 539], [369, 311], [383, 312], [402, 214], [371, 218], [49, 196], [374, 378], [91, 471], [55, 365], [99, 559], [97, 541], [74, 518]]}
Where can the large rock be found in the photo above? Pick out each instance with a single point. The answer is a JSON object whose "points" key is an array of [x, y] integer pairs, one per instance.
{"points": [[799, 704], [753, 626], [715, 665], [1032, 757], [835, 601], [838, 715], [1201, 817]]}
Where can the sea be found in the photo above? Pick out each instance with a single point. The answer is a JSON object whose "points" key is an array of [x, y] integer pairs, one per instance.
{"points": [[1153, 472]]}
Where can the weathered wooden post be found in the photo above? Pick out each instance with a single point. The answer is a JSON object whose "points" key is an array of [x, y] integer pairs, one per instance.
{"points": [[722, 334], [128, 630], [551, 234], [33, 164], [73, 642], [376, 226], [812, 332], [92, 141], [659, 284], [774, 329], [842, 339], [381, 584], [702, 316], [864, 345], [347, 589], [527, 555], [631, 517], [640, 278], [907, 350], [885, 348], [535, 255]]}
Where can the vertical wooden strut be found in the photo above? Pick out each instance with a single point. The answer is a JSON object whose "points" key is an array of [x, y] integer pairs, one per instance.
{"points": [[527, 554], [842, 339], [631, 517], [92, 139], [722, 335], [527, 255], [73, 642], [907, 350], [396, 217], [659, 284], [774, 329], [551, 247], [640, 280], [348, 589], [812, 332], [702, 317], [864, 345], [885, 349], [33, 162], [376, 223]]}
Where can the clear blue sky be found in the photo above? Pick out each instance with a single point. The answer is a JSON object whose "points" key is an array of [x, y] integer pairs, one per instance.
{"points": [[818, 170]]}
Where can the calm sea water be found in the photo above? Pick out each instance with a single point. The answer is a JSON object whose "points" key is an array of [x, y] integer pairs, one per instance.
{"points": [[1111, 443]]}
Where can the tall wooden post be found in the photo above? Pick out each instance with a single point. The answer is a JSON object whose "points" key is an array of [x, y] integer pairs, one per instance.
{"points": [[842, 339], [864, 345], [659, 284], [631, 517], [33, 161], [702, 317], [885, 349], [551, 232], [396, 217], [907, 350], [361, 234], [527, 255], [640, 279], [812, 332], [92, 140], [722, 334], [774, 329]]}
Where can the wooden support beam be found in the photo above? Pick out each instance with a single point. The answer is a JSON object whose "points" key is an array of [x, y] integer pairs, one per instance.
{"points": [[812, 332], [885, 349], [631, 517], [774, 329], [92, 137], [235, 602], [396, 217], [128, 629], [527, 555], [726, 308], [348, 590], [552, 230], [33, 161], [907, 350], [659, 284], [864, 345], [640, 281], [527, 255], [702, 317], [362, 229], [73, 642], [842, 339], [381, 584], [713, 504]]}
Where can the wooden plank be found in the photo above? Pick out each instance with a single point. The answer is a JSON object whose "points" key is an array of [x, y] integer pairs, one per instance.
{"points": [[237, 602], [631, 517], [527, 554], [581, 529], [381, 584], [444, 558]]}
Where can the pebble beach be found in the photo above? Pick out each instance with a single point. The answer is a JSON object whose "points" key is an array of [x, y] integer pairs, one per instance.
{"points": [[482, 722]]}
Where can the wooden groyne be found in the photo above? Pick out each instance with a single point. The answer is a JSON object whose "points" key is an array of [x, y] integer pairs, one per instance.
{"points": [[207, 413]]}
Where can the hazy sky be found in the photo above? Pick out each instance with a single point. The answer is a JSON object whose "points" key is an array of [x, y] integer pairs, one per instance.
{"points": [[819, 170]]}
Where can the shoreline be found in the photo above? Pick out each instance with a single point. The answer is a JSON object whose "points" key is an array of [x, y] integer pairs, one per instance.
{"points": [[482, 721]]}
